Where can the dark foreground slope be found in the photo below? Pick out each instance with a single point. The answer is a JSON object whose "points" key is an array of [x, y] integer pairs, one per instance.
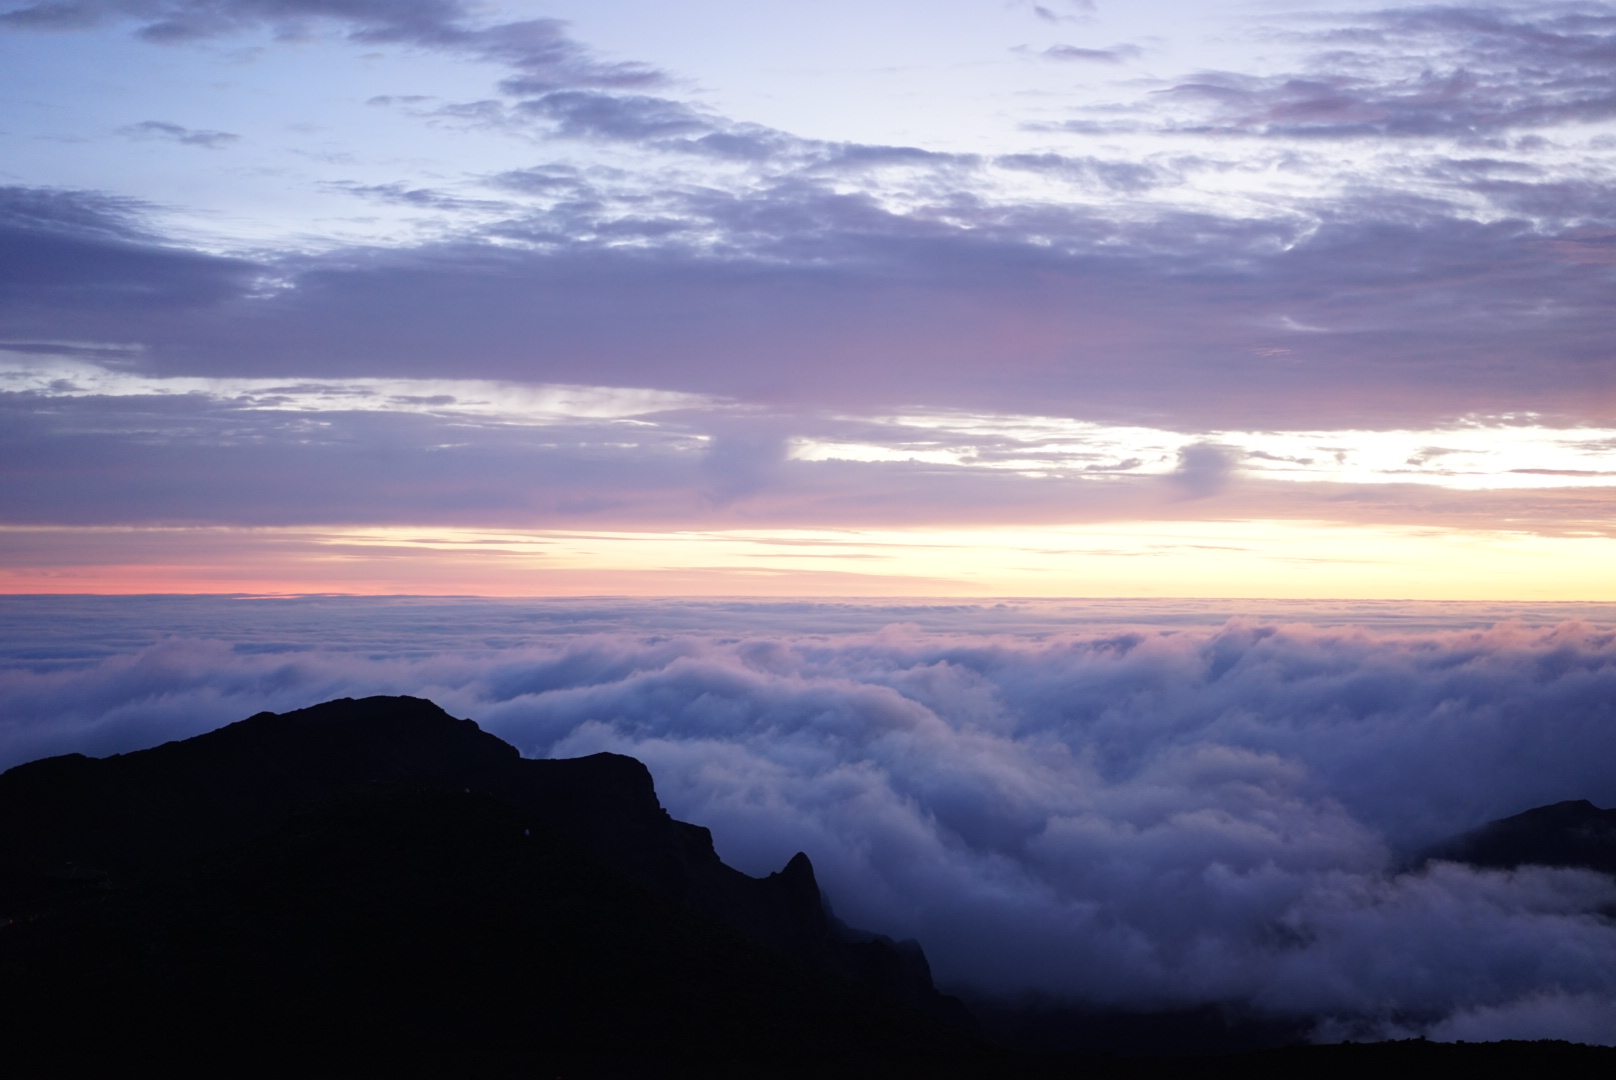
{"points": [[375, 877], [373, 886]]}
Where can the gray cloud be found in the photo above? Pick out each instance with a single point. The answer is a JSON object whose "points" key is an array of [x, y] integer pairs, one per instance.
{"points": [[261, 457], [259, 460], [70, 260], [1139, 817], [80, 214], [421, 197], [1116, 54], [1203, 469], [183, 20], [1116, 175], [1419, 72], [797, 292], [796, 286], [538, 49], [1053, 13], [742, 459], [541, 179], [627, 117], [158, 129]]}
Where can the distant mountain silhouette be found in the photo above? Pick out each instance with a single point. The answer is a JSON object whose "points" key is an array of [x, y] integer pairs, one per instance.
{"points": [[1575, 833], [375, 873]]}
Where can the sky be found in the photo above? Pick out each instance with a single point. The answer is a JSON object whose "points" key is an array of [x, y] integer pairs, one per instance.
{"points": [[959, 298]]}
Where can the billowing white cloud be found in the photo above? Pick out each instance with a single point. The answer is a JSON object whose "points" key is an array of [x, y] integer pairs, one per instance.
{"points": [[1146, 816]]}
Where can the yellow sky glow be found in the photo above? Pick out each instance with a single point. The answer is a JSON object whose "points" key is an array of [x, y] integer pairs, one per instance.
{"points": [[1272, 559]]}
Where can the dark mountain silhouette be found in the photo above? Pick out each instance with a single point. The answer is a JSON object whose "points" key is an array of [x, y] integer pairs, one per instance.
{"points": [[374, 884], [1574, 833], [375, 873]]}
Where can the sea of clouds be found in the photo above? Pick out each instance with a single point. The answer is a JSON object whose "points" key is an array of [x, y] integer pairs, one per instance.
{"points": [[1139, 807]]}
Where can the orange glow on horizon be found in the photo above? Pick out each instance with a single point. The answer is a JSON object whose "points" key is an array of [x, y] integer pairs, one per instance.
{"points": [[1254, 559]]}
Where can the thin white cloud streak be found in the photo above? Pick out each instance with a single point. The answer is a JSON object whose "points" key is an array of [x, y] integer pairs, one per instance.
{"points": [[1472, 455], [1138, 818], [485, 400]]}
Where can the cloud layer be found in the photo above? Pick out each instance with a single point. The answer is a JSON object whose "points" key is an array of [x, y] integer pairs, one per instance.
{"points": [[1144, 817], [1408, 225], [1466, 72]]}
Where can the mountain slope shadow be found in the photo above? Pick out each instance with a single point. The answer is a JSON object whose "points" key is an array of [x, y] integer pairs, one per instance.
{"points": [[374, 876]]}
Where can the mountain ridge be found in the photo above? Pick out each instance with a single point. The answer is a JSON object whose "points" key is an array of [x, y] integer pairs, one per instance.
{"points": [[109, 848]]}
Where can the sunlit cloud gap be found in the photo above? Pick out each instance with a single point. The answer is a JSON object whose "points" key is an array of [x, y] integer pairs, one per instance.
{"points": [[1473, 455]]}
